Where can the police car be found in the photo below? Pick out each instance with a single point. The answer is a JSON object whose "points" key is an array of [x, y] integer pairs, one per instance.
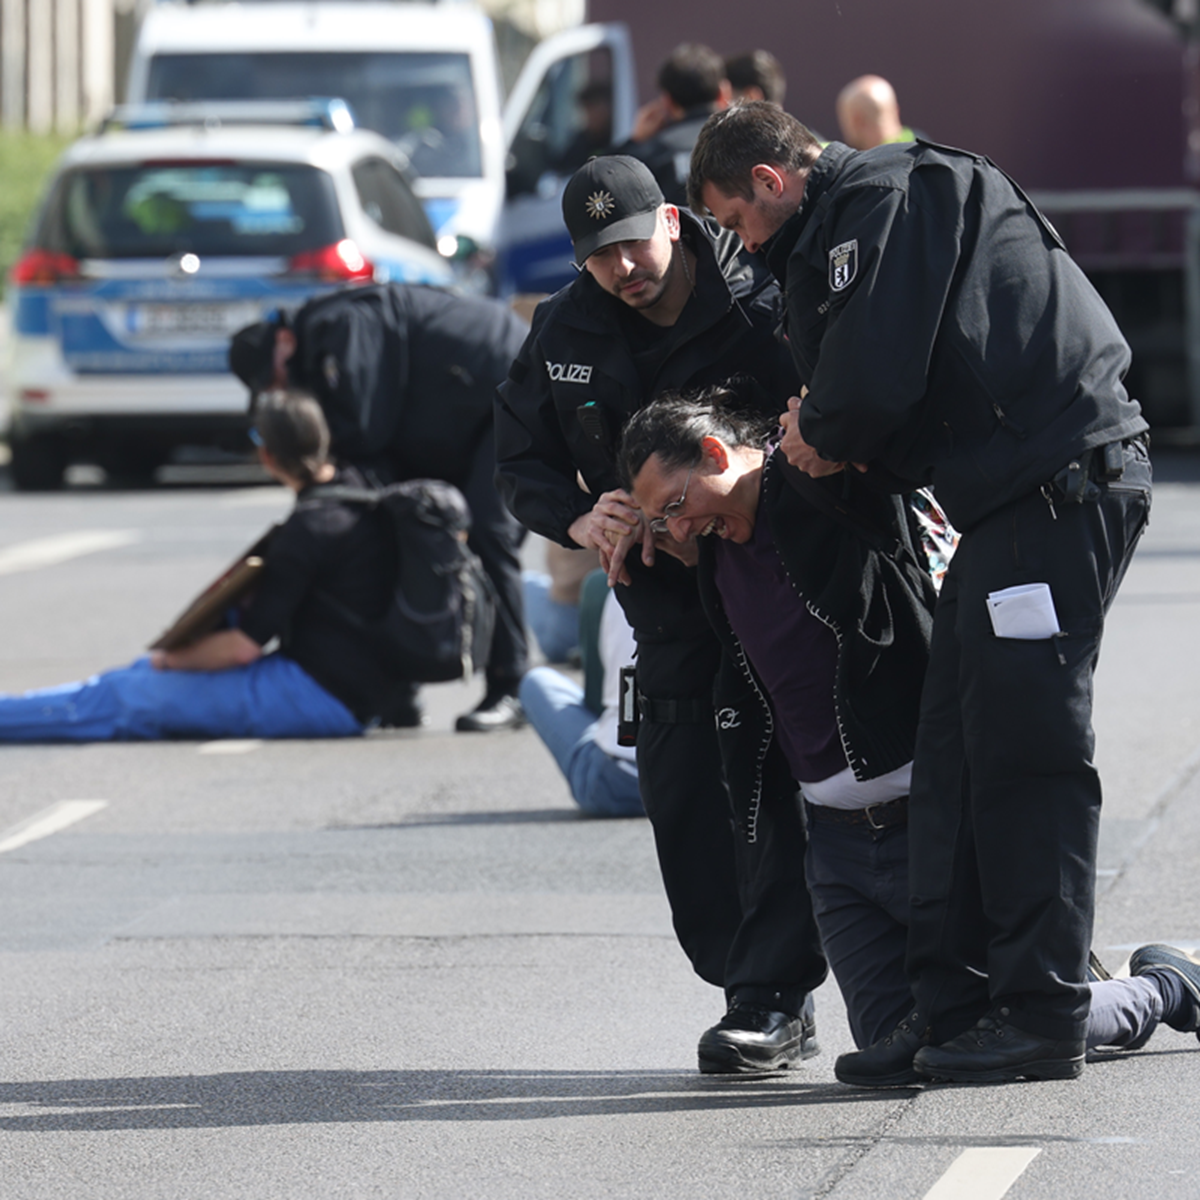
{"points": [[159, 237]]}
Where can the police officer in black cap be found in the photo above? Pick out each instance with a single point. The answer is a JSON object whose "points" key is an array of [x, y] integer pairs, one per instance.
{"points": [[662, 303], [405, 375]]}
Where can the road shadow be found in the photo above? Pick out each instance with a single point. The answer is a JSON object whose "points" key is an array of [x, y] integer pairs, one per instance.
{"points": [[259, 1098]]}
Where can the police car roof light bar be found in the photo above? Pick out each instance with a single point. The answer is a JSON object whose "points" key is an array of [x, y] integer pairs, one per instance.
{"points": [[318, 112]]}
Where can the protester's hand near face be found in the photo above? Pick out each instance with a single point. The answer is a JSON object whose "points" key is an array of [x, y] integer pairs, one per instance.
{"points": [[613, 525]]}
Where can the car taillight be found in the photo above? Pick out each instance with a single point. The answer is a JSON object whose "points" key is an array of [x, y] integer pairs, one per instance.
{"points": [[44, 266], [343, 260]]}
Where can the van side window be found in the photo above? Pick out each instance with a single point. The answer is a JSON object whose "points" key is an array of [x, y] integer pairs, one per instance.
{"points": [[388, 200], [569, 120]]}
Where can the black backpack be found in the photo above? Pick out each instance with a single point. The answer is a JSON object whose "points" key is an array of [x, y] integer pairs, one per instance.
{"points": [[439, 623]]}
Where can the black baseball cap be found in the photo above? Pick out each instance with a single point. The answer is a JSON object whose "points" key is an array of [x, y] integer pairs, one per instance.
{"points": [[610, 199]]}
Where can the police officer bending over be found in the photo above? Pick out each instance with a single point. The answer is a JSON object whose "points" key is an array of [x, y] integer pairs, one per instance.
{"points": [[663, 304], [947, 338], [406, 376]]}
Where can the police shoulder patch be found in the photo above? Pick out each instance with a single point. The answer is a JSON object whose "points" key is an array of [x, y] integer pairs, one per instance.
{"points": [[843, 265]]}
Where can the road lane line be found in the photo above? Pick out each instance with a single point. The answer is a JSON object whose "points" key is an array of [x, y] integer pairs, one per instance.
{"points": [[47, 551], [230, 746], [51, 820], [983, 1173]]}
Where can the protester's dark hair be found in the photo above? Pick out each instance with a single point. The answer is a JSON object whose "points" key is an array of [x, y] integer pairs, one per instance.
{"points": [[692, 75], [733, 142], [760, 69], [292, 428], [674, 425]]}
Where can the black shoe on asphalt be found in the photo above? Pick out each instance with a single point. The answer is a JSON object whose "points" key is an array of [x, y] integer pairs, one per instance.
{"points": [[993, 1051], [887, 1062], [750, 1038], [493, 712], [1183, 966]]}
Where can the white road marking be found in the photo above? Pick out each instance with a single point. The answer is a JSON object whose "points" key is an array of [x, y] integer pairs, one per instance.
{"points": [[983, 1173], [230, 746], [51, 820], [47, 551]]}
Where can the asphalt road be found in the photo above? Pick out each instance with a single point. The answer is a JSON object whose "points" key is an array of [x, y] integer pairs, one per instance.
{"points": [[404, 967]]}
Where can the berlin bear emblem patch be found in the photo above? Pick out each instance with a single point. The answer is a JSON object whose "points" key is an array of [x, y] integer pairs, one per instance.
{"points": [[843, 265]]}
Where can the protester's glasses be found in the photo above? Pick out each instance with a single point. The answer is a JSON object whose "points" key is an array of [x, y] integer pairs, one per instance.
{"points": [[659, 524]]}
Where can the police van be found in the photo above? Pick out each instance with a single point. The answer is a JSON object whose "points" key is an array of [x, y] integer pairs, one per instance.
{"points": [[490, 175]]}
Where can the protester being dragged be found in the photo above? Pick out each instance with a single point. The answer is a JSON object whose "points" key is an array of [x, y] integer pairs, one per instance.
{"points": [[324, 680], [822, 593], [406, 376]]}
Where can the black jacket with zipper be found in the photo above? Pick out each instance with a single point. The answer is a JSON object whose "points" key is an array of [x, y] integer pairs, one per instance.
{"points": [[942, 328], [852, 556], [577, 356]]}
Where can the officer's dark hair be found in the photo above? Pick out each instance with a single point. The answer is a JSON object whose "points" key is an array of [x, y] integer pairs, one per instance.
{"points": [[292, 430], [692, 75], [760, 69], [733, 142], [674, 425]]}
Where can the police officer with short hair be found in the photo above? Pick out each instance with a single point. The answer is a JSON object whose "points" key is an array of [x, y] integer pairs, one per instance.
{"points": [[947, 338], [406, 375], [661, 303]]}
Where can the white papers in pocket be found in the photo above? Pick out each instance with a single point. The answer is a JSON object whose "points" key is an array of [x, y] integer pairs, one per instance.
{"points": [[1025, 612]]}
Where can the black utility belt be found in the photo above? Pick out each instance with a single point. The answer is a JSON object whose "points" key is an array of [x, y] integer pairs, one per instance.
{"points": [[1101, 464], [874, 816]]}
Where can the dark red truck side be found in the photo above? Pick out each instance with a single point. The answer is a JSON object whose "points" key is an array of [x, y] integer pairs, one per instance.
{"points": [[1091, 105]]}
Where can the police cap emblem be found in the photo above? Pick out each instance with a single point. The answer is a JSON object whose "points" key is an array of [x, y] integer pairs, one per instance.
{"points": [[600, 205], [843, 265]]}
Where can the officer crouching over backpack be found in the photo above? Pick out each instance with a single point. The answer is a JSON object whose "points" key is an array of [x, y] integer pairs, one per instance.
{"points": [[406, 376]]}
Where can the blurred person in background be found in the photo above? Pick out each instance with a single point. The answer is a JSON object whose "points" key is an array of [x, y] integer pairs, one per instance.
{"points": [[868, 114], [756, 75], [691, 86]]}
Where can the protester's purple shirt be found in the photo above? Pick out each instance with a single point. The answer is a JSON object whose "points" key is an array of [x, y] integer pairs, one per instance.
{"points": [[794, 654]]}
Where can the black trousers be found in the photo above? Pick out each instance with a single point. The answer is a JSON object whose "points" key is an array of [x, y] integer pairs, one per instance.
{"points": [[741, 911], [1005, 803]]}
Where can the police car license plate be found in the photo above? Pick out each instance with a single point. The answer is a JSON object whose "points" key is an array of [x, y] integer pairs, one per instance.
{"points": [[216, 320]]}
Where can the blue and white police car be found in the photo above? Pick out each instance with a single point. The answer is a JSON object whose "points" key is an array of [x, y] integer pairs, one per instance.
{"points": [[159, 237]]}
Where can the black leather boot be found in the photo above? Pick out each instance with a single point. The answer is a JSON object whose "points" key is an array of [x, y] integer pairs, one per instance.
{"points": [[887, 1062]]}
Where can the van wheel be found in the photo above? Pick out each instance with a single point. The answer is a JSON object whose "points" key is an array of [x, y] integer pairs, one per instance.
{"points": [[39, 462]]}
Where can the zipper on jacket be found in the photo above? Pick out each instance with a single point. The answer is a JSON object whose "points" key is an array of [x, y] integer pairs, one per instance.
{"points": [[853, 761]]}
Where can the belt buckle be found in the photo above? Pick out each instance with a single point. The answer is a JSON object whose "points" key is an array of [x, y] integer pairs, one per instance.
{"points": [[870, 818]]}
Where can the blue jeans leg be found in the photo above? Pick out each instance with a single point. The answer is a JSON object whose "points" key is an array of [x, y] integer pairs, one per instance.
{"points": [[555, 626], [554, 706], [269, 698]]}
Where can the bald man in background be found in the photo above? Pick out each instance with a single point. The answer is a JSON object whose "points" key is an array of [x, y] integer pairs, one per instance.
{"points": [[869, 114]]}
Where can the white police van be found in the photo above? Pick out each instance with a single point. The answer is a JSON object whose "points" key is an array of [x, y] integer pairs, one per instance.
{"points": [[424, 76]]}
